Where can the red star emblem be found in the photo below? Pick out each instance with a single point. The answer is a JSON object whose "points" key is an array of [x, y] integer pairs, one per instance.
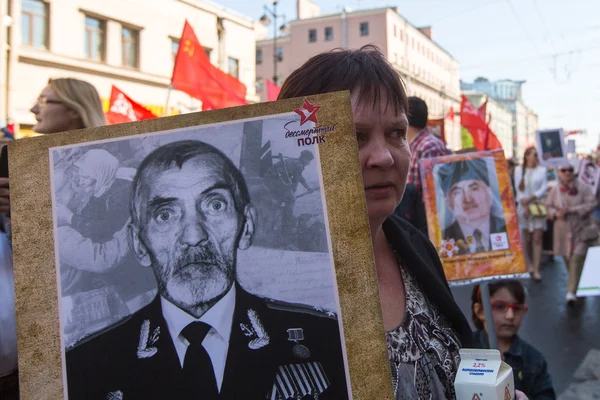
{"points": [[308, 112]]}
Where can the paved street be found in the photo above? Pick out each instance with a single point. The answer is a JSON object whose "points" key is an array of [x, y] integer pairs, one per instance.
{"points": [[564, 335]]}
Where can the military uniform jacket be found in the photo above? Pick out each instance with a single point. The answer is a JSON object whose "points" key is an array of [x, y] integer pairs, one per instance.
{"points": [[137, 359]]}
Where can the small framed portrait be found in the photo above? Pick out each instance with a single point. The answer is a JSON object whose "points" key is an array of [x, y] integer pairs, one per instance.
{"points": [[551, 147], [471, 216], [588, 173], [198, 256]]}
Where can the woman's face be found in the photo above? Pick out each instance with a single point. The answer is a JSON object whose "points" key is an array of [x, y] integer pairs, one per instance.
{"points": [[566, 175], [383, 153], [532, 158], [52, 115]]}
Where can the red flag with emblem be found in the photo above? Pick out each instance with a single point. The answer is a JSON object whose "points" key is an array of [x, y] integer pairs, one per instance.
{"points": [[123, 109], [195, 75]]}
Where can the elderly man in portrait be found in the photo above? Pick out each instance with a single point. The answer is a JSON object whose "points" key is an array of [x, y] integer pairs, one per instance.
{"points": [[469, 198], [204, 336]]}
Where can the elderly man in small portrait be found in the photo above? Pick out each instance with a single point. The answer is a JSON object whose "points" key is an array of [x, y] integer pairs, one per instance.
{"points": [[469, 197], [204, 336]]}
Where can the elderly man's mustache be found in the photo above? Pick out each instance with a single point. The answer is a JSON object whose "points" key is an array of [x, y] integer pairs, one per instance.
{"points": [[206, 254]]}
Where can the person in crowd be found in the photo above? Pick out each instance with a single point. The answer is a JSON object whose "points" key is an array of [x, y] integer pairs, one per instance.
{"points": [[64, 104], [466, 186], [588, 176], [530, 179], [529, 366], [570, 205], [412, 209], [423, 144], [424, 325]]}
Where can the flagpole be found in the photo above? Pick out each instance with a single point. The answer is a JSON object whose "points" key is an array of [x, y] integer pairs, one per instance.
{"points": [[168, 97]]}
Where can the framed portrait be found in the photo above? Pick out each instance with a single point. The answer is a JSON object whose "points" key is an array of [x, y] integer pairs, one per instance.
{"points": [[588, 173], [551, 147], [471, 215], [210, 253]]}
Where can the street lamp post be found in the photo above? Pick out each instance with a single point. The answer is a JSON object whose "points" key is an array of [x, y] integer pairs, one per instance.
{"points": [[265, 20]]}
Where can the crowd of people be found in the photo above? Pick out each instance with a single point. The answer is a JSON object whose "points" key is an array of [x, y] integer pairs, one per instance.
{"points": [[424, 326]]}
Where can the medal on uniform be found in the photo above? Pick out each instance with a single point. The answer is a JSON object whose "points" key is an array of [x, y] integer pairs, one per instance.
{"points": [[296, 335]]}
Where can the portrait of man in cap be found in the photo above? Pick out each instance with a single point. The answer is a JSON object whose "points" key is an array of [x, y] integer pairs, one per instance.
{"points": [[204, 336], [475, 228]]}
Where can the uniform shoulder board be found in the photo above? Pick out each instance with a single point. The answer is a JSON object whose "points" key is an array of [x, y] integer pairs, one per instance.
{"points": [[300, 308]]}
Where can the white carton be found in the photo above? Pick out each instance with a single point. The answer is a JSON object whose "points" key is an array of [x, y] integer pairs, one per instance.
{"points": [[482, 375]]}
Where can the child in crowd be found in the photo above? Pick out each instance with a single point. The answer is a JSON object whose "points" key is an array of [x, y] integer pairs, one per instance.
{"points": [[508, 309]]}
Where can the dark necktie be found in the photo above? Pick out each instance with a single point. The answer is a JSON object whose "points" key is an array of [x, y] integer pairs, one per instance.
{"points": [[479, 245], [200, 382]]}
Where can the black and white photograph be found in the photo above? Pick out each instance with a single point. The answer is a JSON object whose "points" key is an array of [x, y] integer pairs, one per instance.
{"points": [[551, 147], [471, 215], [194, 263], [588, 173]]}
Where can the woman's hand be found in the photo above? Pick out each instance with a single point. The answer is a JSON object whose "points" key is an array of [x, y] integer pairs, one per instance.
{"points": [[520, 395], [4, 196]]}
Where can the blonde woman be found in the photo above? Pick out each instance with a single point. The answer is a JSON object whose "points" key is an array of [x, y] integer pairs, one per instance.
{"points": [[530, 181], [66, 104]]}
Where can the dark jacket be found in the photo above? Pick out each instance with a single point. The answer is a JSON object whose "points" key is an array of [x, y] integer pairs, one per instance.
{"points": [[109, 362], [497, 225], [412, 209], [422, 261], [529, 366]]}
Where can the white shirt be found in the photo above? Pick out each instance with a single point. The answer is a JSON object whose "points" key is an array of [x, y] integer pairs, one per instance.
{"points": [[536, 182], [484, 228], [216, 342]]}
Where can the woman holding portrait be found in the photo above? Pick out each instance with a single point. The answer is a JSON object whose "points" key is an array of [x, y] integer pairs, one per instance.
{"points": [[570, 205], [424, 326]]}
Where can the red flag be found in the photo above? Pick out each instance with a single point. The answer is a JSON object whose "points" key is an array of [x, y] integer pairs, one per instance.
{"points": [[450, 114], [472, 119], [483, 110], [272, 90], [122, 109], [195, 75]]}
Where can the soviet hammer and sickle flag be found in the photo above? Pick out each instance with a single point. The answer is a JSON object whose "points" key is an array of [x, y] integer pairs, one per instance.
{"points": [[195, 75]]}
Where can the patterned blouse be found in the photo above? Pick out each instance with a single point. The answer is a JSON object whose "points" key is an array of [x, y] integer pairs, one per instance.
{"points": [[423, 349]]}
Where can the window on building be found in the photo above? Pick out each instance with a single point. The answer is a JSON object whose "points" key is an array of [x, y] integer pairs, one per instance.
{"points": [[364, 29], [95, 39], [34, 23], [396, 58], [279, 53], [401, 34], [130, 47], [174, 48], [395, 28], [207, 51], [259, 56], [328, 33], [260, 85], [233, 67], [412, 42], [312, 35]]}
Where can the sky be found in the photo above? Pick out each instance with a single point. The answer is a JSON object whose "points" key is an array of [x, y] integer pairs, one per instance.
{"points": [[553, 45]]}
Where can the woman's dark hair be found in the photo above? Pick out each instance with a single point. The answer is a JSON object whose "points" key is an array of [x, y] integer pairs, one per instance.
{"points": [[515, 288], [418, 114], [365, 70], [522, 184]]}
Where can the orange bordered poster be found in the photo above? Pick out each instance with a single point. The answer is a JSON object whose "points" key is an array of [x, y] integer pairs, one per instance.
{"points": [[471, 215]]}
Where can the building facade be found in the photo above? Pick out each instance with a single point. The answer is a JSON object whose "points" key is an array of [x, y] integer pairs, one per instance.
{"points": [[428, 70], [509, 93], [127, 43], [500, 119]]}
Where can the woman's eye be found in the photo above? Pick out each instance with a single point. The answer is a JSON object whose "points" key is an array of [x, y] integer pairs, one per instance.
{"points": [[163, 216], [400, 133]]}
